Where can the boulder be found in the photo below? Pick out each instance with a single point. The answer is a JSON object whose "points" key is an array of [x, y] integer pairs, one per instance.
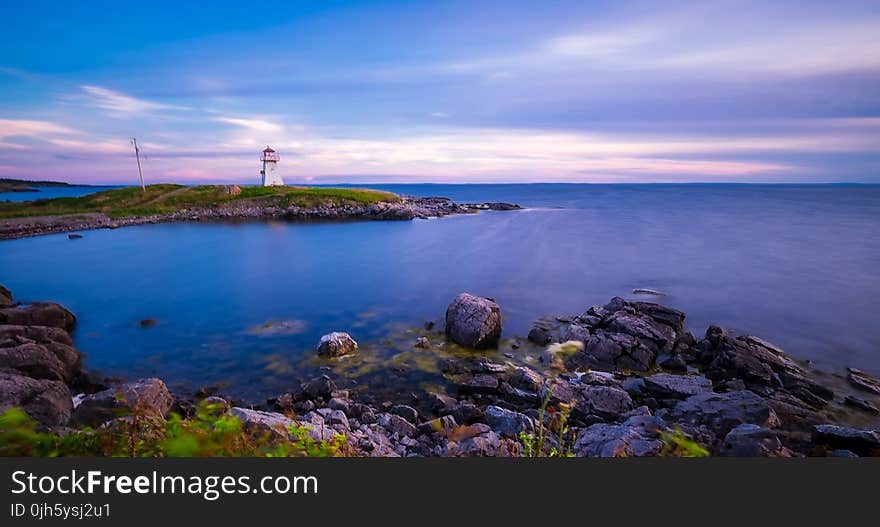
{"points": [[576, 332], [46, 401], [540, 334], [612, 351], [638, 436], [860, 441], [672, 386], [33, 360], [423, 343], [5, 297], [38, 314], [507, 423], [266, 424], [56, 340], [525, 378], [722, 412], [319, 388], [442, 404], [748, 440], [396, 424], [144, 397], [606, 402], [337, 344], [407, 412], [473, 322]]}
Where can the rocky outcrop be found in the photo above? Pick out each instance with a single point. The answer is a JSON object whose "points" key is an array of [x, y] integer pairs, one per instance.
{"points": [[38, 314], [37, 359], [47, 401], [337, 344], [722, 412], [144, 397], [473, 322], [623, 335]]}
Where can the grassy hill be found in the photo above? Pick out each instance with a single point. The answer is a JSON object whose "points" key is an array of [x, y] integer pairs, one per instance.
{"points": [[168, 198]]}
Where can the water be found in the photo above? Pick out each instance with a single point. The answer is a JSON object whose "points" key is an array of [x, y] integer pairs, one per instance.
{"points": [[796, 265], [53, 192]]}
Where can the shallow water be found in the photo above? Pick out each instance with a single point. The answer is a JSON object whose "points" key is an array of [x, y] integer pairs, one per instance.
{"points": [[796, 265]]}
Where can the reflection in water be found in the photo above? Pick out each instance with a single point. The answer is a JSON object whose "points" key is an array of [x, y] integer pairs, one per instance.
{"points": [[794, 264]]}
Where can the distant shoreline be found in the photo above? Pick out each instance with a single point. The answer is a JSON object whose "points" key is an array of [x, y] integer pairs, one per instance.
{"points": [[24, 185]]}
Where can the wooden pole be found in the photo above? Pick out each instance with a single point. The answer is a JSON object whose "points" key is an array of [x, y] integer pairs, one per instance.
{"points": [[137, 155]]}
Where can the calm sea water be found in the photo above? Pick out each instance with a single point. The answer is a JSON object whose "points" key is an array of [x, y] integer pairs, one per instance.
{"points": [[797, 265], [52, 192]]}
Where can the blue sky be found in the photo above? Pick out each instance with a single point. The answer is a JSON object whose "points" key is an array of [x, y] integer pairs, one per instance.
{"points": [[470, 91]]}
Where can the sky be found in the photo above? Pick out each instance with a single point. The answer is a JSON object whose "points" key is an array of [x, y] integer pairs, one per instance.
{"points": [[448, 92]]}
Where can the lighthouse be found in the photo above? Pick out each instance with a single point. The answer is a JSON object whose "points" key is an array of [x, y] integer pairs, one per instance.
{"points": [[270, 175]]}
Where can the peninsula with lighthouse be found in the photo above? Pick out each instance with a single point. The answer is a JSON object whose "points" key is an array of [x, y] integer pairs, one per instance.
{"points": [[269, 199]]}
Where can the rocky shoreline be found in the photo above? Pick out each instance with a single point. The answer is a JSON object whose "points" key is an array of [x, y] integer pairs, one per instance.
{"points": [[408, 208], [620, 380]]}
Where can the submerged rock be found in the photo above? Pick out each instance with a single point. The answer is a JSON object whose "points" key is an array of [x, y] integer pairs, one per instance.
{"points": [[473, 322], [337, 344], [863, 381]]}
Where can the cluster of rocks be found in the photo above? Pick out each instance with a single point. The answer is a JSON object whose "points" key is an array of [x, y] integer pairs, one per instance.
{"points": [[408, 208], [618, 380]]}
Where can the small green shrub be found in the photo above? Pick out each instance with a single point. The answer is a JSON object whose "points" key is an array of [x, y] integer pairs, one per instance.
{"points": [[210, 433]]}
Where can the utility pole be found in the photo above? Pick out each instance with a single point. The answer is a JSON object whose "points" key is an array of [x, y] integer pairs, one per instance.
{"points": [[137, 155]]}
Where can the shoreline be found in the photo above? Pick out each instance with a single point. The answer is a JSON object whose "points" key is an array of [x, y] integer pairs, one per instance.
{"points": [[408, 208], [625, 378]]}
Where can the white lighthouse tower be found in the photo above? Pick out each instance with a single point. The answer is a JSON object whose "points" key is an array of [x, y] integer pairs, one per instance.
{"points": [[270, 175]]}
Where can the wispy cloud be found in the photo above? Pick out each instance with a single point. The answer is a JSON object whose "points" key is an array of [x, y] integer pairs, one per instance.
{"points": [[256, 125], [120, 105], [35, 129]]}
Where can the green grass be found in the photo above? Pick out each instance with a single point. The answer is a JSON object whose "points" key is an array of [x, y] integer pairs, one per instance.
{"points": [[168, 198]]}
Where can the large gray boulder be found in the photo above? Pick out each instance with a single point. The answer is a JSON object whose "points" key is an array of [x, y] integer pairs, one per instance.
{"points": [[508, 423], [672, 386], [143, 397], [34, 361], [337, 344], [749, 440], [38, 314], [638, 436], [271, 425], [55, 340], [722, 412], [473, 322], [607, 402], [860, 441], [47, 401]]}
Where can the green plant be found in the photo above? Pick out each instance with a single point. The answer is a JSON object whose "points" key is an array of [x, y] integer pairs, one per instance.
{"points": [[678, 444], [211, 432]]}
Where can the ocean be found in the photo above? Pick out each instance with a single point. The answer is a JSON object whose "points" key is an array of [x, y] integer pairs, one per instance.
{"points": [[242, 305]]}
